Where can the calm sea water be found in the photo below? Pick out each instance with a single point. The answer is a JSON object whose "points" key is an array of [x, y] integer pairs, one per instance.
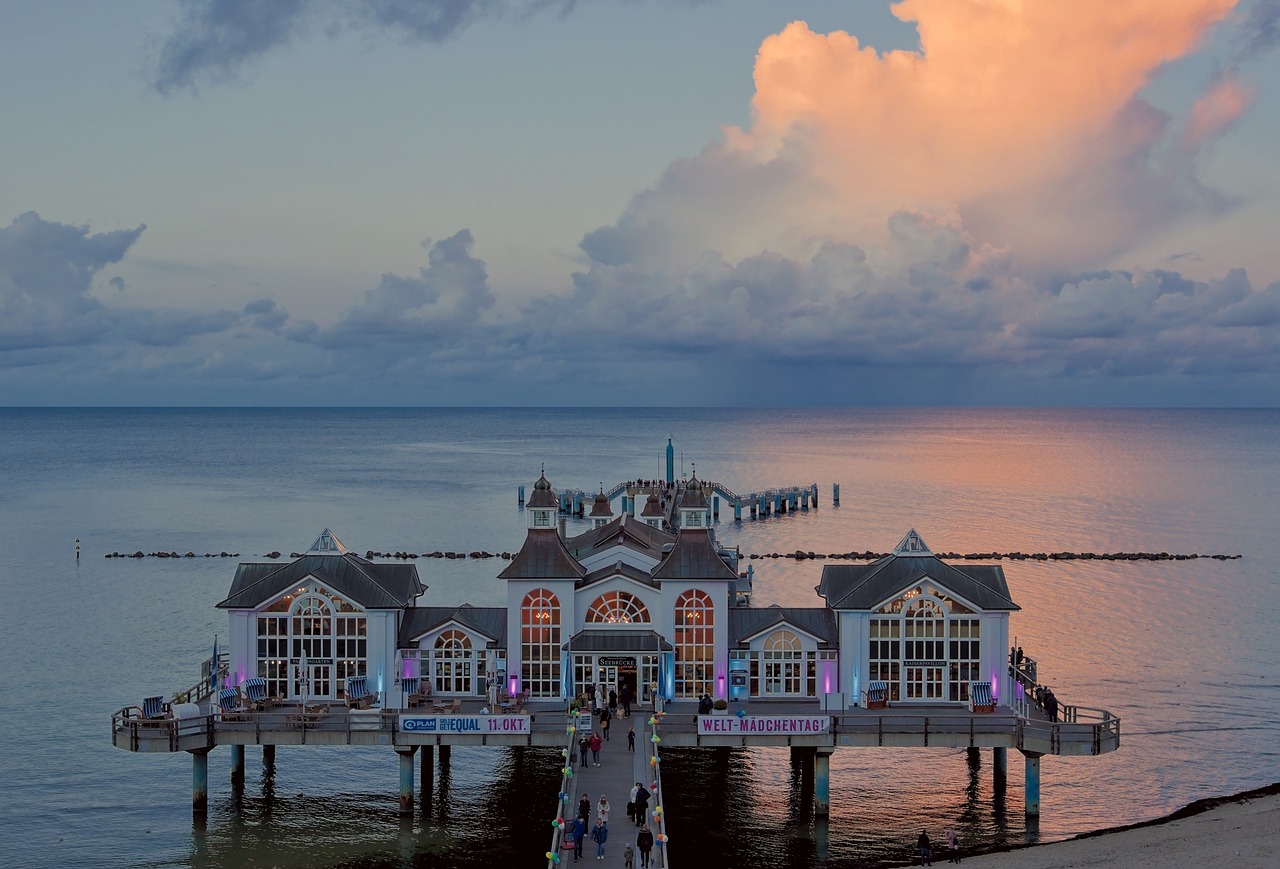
{"points": [[1186, 652]]}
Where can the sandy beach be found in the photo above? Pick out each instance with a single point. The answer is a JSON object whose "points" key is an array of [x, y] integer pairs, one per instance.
{"points": [[1240, 831]]}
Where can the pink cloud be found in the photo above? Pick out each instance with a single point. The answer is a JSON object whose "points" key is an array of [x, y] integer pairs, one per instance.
{"points": [[1217, 110]]}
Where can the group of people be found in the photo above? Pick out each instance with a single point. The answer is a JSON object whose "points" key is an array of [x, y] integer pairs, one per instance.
{"points": [[1048, 702], [926, 850], [704, 704], [605, 705], [637, 809]]}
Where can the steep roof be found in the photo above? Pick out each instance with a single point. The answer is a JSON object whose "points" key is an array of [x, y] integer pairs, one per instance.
{"points": [[693, 495], [864, 586], [600, 507], [490, 622], [652, 508], [620, 568], [622, 531], [542, 495], [693, 556], [543, 556], [371, 585], [747, 622]]}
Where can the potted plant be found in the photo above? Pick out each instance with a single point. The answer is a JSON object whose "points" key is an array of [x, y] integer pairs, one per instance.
{"points": [[720, 707]]}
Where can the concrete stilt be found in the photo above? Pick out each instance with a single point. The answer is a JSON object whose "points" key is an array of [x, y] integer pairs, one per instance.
{"points": [[737, 509], [1000, 762], [835, 494], [822, 783], [972, 755], [1033, 786], [427, 766], [444, 754], [406, 780], [200, 782], [237, 764], [268, 756]]}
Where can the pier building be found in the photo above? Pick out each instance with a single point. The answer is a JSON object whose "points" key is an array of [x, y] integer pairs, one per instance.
{"points": [[335, 649]]}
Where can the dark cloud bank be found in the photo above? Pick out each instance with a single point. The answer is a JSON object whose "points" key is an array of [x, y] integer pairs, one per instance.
{"points": [[953, 326]]}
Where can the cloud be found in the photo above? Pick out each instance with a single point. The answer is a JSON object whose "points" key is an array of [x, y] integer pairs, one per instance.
{"points": [[46, 304], [213, 40], [46, 274], [443, 303]]}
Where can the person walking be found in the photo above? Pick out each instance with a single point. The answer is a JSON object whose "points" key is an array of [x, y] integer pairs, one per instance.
{"points": [[631, 739], [644, 843], [584, 809], [583, 745], [604, 725], [953, 842], [602, 809], [642, 806], [631, 803], [926, 853], [628, 857], [595, 742], [626, 702], [579, 836], [600, 835]]}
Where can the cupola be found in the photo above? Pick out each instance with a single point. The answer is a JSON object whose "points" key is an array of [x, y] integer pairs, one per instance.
{"points": [[543, 505]]}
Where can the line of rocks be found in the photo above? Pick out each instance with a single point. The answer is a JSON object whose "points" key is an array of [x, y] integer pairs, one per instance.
{"points": [[800, 555]]}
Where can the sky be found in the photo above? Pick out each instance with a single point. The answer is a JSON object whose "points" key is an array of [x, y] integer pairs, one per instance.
{"points": [[640, 202]]}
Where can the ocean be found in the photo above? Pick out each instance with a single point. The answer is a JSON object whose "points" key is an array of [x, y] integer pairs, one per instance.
{"points": [[1187, 653]]}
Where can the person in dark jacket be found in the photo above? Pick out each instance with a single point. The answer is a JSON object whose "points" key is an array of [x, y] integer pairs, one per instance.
{"points": [[584, 808], [600, 835], [642, 806], [644, 844], [579, 836], [926, 853]]}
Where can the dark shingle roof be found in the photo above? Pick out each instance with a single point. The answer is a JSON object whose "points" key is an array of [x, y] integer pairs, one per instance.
{"points": [[863, 586], [745, 622], [543, 556], [617, 641], [693, 557], [652, 508], [620, 568], [542, 495], [489, 621], [693, 496], [372, 586], [623, 531], [601, 507]]}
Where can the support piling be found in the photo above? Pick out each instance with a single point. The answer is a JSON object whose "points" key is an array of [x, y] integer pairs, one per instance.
{"points": [[406, 780], [200, 782], [1033, 786], [237, 765], [822, 783]]}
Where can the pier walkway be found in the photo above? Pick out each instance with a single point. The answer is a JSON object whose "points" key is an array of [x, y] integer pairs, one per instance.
{"points": [[617, 774]]}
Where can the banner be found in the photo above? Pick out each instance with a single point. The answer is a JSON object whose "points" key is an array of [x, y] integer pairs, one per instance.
{"points": [[757, 725], [464, 723]]}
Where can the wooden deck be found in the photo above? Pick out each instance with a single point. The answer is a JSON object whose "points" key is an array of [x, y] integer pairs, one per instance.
{"points": [[1081, 731]]}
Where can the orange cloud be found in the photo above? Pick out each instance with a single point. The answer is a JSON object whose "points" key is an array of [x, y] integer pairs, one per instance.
{"points": [[1022, 116], [1216, 111]]}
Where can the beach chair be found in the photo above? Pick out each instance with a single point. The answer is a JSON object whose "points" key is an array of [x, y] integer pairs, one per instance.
{"points": [[229, 704], [877, 695], [154, 710], [980, 699], [255, 693], [413, 695], [358, 695]]}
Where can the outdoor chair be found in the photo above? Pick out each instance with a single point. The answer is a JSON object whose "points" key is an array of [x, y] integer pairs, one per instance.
{"points": [[980, 699], [229, 704], [877, 695], [358, 694], [154, 710], [417, 691], [255, 693]]}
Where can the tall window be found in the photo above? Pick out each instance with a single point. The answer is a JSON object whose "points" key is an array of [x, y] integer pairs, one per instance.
{"points": [[926, 645], [694, 643], [540, 643], [783, 659], [453, 663], [320, 624], [618, 607]]}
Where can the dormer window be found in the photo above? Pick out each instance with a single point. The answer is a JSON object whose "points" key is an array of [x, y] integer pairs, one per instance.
{"points": [[541, 518]]}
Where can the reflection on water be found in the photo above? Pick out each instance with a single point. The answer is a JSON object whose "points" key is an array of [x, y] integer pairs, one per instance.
{"points": [[1185, 652]]}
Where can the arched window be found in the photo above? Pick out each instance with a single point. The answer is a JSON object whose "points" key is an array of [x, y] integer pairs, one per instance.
{"points": [[783, 663], [314, 622], [540, 643], [454, 665], [618, 607], [694, 643]]}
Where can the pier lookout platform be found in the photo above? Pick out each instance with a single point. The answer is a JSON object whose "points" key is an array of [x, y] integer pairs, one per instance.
{"points": [[335, 650]]}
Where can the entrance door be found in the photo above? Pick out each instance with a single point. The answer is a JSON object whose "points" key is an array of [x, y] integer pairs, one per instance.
{"points": [[627, 682], [314, 684], [607, 680], [925, 682]]}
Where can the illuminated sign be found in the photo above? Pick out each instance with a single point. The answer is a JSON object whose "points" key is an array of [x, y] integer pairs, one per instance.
{"points": [[756, 725], [462, 724]]}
